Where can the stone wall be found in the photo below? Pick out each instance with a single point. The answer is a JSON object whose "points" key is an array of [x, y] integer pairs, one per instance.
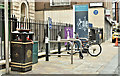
{"points": [[16, 8]]}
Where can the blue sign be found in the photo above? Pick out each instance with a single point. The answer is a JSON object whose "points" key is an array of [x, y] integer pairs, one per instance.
{"points": [[95, 12], [81, 8], [50, 23], [90, 25], [81, 20]]}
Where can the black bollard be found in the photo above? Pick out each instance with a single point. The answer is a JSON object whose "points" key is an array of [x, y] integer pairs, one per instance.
{"points": [[59, 48], [47, 56]]}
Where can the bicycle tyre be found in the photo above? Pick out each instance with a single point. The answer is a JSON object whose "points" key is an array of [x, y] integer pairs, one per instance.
{"points": [[100, 50]]}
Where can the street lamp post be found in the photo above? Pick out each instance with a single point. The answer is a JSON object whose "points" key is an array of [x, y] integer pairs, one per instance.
{"points": [[6, 36]]}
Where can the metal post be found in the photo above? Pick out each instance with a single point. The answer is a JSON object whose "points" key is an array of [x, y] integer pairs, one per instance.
{"points": [[59, 48], [1, 24], [47, 44], [47, 56], [115, 11], [72, 55], [48, 35], [6, 36], [71, 51]]}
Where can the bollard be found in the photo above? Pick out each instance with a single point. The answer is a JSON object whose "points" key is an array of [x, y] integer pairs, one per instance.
{"points": [[59, 48], [47, 49], [47, 56]]}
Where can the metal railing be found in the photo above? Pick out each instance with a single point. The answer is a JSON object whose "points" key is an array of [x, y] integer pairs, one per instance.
{"points": [[40, 30]]}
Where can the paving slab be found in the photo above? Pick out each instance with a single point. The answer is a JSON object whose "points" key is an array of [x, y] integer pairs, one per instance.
{"points": [[87, 65]]}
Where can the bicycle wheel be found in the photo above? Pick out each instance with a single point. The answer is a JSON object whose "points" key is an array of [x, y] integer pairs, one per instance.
{"points": [[95, 49]]}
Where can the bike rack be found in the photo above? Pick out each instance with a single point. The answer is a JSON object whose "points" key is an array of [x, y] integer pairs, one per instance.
{"points": [[47, 52], [74, 39], [62, 40]]}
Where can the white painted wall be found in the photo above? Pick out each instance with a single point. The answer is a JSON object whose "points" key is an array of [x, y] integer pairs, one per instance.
{"points": [[97, 20], [100, 22], [64, 16]]}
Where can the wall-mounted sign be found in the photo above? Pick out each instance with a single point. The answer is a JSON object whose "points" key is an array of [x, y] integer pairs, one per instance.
{"points": [[81, 20], [90, 25], [95, 12], [79, 8], [50, 22], [107, 13], [96, 4]]}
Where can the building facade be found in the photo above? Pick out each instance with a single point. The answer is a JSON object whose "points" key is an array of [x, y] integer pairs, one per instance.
{"points": [[119, 11], [23, 9], [63, 12]]}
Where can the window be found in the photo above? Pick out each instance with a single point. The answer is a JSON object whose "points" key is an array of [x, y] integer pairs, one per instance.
{"points": [[59, 2]]}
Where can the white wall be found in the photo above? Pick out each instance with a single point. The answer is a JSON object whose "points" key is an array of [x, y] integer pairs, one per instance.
{"points": [[108, 31], [100, 22], [64, 16], [97, 20]]}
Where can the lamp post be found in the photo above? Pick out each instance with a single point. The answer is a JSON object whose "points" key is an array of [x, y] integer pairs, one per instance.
{"points": [[6, 36]]}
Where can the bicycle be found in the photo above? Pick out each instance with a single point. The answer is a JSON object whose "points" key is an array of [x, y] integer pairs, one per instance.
{"points": [[93, 48]]}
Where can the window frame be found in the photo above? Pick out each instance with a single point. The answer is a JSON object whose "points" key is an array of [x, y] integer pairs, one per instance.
{"points": [[60, 4]]}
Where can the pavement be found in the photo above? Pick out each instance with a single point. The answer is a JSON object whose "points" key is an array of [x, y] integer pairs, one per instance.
{"points": [[105, 63]]}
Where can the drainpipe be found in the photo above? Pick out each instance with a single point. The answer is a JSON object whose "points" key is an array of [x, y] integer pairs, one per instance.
{"points": [[116, 11], [118, 8]]}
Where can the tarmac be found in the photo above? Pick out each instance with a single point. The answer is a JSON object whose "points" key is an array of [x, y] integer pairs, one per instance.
{"points": [[105, 63]]}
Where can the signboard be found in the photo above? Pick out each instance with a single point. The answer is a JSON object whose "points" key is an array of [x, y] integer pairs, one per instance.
{"points": [[95, 12], [90, 25], [96, 4], [81, 20], [68, 31], [79, 8], [107, 12], [50, 23]]}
